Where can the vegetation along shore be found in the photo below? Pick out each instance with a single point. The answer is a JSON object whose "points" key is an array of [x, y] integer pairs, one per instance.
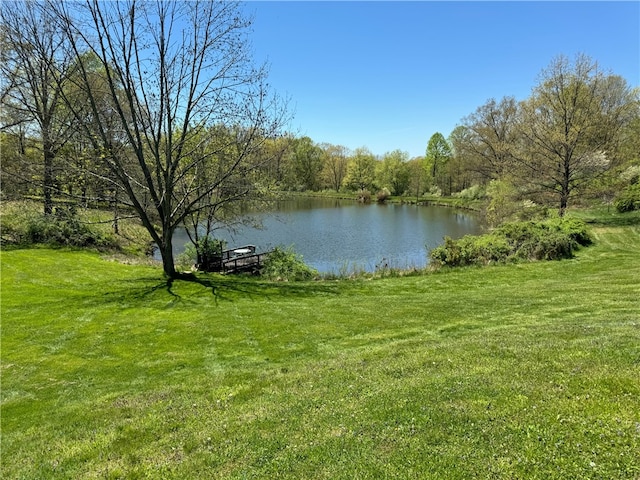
{"points": [[514, 354], [527, 370]]}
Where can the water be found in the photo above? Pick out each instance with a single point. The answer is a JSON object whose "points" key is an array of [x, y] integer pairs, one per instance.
{"points": [[339, 236]]}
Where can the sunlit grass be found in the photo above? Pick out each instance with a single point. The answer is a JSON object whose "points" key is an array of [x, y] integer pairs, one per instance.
{"points": [[521, 371]]}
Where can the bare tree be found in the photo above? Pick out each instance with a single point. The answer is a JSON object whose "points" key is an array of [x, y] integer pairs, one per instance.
{"points": [[34, 68], [490, 136], [192, 110]]}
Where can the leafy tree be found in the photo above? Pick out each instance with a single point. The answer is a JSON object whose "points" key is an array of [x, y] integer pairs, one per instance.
{"points": [[437, 162], [306, 159], [394, 172], [19, 165], [224, 207], [417, 174], [504, 201], [630, 141], [175, 71], [361, 170], [276, 167], [571, 127], [85, 176], [335, 159], [462, 175], [35, 68]]}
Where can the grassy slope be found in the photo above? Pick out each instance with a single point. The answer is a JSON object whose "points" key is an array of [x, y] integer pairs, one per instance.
{"points": [[525, 371]]}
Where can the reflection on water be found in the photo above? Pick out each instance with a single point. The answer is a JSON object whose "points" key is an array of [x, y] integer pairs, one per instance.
{"points": [[339, 236]]}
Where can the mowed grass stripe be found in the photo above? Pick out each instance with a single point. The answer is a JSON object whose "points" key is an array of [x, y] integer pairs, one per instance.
{"points": [[520, 371]]}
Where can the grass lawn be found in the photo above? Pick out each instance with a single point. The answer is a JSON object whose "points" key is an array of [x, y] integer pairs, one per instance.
{"points": [[520, 371]]}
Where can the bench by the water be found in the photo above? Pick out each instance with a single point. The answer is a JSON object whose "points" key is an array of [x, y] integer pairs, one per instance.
{"points": [[236, 260]]}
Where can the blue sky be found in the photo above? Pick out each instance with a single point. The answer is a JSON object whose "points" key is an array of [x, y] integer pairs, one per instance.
{"points": [[388, 75]]}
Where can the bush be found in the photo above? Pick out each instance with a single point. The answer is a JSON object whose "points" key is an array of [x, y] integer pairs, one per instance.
{"points": [[549, 240], [572, 227], [503, 204], [629, 199], [435, 191], [283, 264], [470, 250], [62, 228], [364, 196], [383, 195], [474, 192], [631, 174], [205, 254]]}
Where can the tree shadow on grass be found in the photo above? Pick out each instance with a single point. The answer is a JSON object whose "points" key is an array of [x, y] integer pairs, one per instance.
{"points": [[616, 219], [219, 288]]}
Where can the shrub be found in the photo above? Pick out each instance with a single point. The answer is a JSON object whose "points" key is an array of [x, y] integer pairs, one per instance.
{"points": [[549, 240], [487, 249], [364, 196], [383, 195], [574, 228], [470, 250], [631, 174], [205, 254], [283, 264], [62, 228], [629, 199], [529, 210], [435, 191], [474, 192], [503, 204]]}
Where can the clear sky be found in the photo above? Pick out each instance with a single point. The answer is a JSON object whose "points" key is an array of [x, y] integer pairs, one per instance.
{"points": [[388, 75]]}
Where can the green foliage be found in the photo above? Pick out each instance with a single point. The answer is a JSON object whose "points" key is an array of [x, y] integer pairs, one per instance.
{"points": [[632, 173], [188, 257], [361, 170], [283, 264], [575, 228], [474, 192], [205, 252], [364, 196], [437, 159], [470, 250], [549, 240], [383, 195], [503, 203], [63, 228], [393, 172], [629, 199], [552, 239], [306, 159]]}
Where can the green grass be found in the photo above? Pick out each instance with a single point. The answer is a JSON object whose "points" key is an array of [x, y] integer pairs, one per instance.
{"points": [[20, 219], [519, 371]]}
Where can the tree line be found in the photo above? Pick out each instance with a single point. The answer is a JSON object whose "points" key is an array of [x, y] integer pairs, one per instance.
{"points": [[576, 137], [158, 107]]}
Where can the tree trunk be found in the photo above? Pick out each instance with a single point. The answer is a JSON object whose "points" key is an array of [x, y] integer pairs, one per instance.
{"points": [[48, 178], [565, 188], [563, 204], [116, 229], [168, 266], [166, 252]]}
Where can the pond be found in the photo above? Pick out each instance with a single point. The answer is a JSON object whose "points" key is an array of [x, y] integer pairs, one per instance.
{"points": [[342, 236]]}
